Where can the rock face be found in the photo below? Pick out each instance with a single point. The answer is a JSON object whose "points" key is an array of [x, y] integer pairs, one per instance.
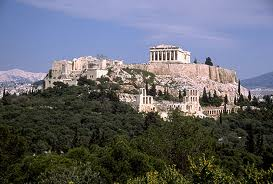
{"points": [[197, 76], [192, 71]]}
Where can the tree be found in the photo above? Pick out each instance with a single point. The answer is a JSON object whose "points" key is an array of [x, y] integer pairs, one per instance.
{"points": [[205, 170], [184, 92], [208, 61], [225, 108], [151, 119], [205, 96], [221, 118], [82, 81], [152, 91], [250, 143], [239, 87], [12, 148], [169, 175], [249, 96], [160, 93], [4, 93], [255, 101], [180, 96], [147, 87], [195, 61], [215, 94], [60, 85], [226, 99], [241, 100], [75, 140], [210, 97], [235, 100]]}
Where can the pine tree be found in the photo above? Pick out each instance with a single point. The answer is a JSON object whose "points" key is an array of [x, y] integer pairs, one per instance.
{"points": [[4, 93], [153, 90], [205, 96], [239, 87], [215, 94], [249, 96], [260, 143], [255, 101], [210, 97], [160, 93], [208, 61], [241, 99], [226, 99], [180, 97], [221, 118], [235, 100], [250, 143], [184, 92], [195, 61], [75, 140], [147, 87]]}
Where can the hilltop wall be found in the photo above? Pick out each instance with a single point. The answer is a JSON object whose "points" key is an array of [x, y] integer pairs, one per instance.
{"points": [[190, 70]]}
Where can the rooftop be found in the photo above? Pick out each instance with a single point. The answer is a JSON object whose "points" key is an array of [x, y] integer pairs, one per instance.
{"points": [[164, 46]]}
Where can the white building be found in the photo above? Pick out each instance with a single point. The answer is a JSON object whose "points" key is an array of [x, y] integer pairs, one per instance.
{"points": [[190, 104], [141, 102], [169, 53], [69, 72], [93, 74], [144, 102]]}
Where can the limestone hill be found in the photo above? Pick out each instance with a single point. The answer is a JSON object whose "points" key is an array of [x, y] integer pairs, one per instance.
{"points": [[177, 77]]}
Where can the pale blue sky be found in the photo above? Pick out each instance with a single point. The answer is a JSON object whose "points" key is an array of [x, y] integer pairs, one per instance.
{"points": [[235, 34]]}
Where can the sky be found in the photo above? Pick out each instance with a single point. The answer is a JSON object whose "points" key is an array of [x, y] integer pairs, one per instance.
{"points": [[237, 35]]}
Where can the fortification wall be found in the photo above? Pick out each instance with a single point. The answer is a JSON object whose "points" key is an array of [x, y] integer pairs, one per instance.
{"points": [[190, 70]]}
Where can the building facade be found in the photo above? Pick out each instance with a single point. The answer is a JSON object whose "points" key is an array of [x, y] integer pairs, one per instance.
{"points": [[69, 72], [214, 112], [169, 54], [190, 104], [144, 102]]}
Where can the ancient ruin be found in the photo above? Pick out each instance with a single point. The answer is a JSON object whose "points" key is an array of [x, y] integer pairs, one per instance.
{"points": [[168, 67], [69, 72], [169, 54]]}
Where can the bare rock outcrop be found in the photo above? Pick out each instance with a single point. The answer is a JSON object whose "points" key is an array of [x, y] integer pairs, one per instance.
{"points": [[214, 73], [198, 76]]}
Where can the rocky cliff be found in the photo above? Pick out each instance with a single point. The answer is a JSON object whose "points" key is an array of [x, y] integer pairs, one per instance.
{"points": [[192, 71], [198, 76]]}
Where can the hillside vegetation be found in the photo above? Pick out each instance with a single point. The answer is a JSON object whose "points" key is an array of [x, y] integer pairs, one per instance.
{"points": [[85, 135]]}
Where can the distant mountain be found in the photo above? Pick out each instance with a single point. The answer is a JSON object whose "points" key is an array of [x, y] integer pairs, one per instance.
{"points": [[20, 77], [262, 81]]}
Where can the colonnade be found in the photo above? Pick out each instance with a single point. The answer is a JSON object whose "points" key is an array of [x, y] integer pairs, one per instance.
{"points": [[168, 55]]}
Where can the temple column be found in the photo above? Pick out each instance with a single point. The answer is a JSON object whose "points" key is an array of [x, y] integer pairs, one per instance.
{"points": [[161, 55], [151, 58]]}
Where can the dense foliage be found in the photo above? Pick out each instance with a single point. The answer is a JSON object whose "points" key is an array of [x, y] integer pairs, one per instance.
{"points": [[85, 135], [211, 100]]}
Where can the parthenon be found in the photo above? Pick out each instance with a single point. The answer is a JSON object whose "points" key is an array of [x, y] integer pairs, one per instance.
{"points": [[169, 53]]}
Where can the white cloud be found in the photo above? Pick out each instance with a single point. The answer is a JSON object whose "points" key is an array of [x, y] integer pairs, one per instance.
{"points": [[198, 19]]}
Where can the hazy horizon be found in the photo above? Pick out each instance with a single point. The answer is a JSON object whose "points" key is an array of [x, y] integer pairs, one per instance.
{"points": [[236, 35]]}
